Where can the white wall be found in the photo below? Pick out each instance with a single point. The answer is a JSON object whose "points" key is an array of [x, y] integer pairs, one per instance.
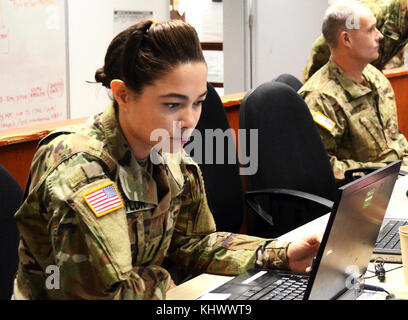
{"points": [[281, 38], [236, 46], [90, 24], [206, 17], [283, 35]]}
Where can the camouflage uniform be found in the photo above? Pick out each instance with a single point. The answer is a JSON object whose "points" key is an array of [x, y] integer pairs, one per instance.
{"points": [[119, 255], [366, 127], [392, 21]]}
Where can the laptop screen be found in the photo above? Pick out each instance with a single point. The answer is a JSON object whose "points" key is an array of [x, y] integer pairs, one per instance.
{"points": [[351, 233]]}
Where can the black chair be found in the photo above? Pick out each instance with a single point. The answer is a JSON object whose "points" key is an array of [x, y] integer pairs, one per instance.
{"points": [[11, 196], [290, 80], [219, 164], [294, 183]]}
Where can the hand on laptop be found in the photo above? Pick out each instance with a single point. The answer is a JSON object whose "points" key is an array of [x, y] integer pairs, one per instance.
{"points": [[302, 251]]}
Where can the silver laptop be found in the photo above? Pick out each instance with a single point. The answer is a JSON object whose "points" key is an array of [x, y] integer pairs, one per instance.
{"points": [[344, 253]]}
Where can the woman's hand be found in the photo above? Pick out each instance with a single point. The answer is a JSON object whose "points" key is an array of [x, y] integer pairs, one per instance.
{"points": [[301, 252]]}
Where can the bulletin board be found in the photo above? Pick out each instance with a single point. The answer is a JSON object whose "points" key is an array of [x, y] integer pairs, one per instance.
{"points": [[33, 62]]}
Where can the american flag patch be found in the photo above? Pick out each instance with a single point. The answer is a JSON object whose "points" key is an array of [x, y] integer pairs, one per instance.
{"points": [[103, 200]]}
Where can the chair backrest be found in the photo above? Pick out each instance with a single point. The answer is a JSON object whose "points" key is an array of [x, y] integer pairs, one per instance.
{"points": [[291, 156], [222, 180], [290, 80], [11, 195]]}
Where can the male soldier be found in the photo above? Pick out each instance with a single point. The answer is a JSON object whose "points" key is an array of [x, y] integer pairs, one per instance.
{"points": [[392, 21], [352, 101]]}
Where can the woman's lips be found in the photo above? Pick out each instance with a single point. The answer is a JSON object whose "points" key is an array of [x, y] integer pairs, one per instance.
{"points": [[181, 140]]}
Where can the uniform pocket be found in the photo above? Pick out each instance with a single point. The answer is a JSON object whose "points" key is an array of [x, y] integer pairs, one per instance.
{"points": [[148, 229], [374, 137]]}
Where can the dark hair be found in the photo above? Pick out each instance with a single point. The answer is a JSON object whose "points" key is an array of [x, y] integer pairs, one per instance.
{"points": [[147, 50]]}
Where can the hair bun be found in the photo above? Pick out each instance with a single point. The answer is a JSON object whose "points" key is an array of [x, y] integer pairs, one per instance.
{"points": [[100, 76]]}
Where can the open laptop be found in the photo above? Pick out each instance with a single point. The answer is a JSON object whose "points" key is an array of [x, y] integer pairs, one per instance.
{"points": [[344, 253], [387, 246]]}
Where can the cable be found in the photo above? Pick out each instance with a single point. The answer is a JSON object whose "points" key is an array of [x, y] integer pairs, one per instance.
{"points": [[379, 289], [379, 270], [375, 288], [380, 273]]}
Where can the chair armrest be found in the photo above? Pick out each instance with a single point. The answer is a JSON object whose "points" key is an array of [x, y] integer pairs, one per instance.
{"points": [[349, 173], [252, 202]]}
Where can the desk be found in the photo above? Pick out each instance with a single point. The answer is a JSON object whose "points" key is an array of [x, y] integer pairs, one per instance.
{"points": [[394, 283], [195, 287], [398, 78]]}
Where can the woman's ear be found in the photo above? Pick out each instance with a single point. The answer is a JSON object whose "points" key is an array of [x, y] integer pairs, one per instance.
{"points": [[120, 92]]}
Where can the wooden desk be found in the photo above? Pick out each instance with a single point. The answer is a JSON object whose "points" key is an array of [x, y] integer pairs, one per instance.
{"points": [[398, 78], [17, 146], [394, 283], [195, 287]]}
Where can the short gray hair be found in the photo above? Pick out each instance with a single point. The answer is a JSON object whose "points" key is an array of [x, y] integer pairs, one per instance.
{"points": [[340, 16]]}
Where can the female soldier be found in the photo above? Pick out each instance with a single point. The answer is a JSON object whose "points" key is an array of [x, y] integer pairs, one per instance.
{"points": [[102, 215]]}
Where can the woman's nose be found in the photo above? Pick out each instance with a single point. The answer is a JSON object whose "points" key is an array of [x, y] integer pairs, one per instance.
{"points": [[189, 118]]}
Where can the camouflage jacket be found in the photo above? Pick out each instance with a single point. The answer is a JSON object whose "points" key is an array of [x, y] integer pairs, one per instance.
{"points": [[365, 132], [392, 21], [117, 254]]}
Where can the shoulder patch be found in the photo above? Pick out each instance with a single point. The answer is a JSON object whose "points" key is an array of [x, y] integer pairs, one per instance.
{"points": [[103, 199], [323, 121]]}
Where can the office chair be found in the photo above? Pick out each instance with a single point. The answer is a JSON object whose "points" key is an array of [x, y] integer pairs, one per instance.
{"points": [[11, 196], [290, 80], [294, 183], [219, 165]]}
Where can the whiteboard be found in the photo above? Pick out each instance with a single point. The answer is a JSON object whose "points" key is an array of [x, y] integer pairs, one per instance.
{"points": [[33, 62]]}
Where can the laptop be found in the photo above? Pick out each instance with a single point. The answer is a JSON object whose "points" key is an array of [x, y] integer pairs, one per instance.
{"points": [[344, 253], [387, 246]]}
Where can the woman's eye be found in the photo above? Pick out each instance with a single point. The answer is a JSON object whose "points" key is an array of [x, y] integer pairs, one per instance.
{"points": [[172, 105], [198, 103]]}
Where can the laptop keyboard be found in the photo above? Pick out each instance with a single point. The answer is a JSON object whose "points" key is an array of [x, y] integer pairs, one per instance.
{"points": [[389, 238], [290, 287]]}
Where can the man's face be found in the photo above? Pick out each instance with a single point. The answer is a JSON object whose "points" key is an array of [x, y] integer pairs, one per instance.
{"points": [[365, 41]]}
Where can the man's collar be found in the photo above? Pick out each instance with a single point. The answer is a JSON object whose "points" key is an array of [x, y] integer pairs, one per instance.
{"points": [[354, 89]]}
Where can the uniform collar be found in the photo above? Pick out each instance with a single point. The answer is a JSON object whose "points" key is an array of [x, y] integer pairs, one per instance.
{"points": [[140, 183], [136, 181], [354, 89]]}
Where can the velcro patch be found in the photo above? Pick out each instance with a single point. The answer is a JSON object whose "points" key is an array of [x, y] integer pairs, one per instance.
{"points": [[324, 121], [103, 200]]}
